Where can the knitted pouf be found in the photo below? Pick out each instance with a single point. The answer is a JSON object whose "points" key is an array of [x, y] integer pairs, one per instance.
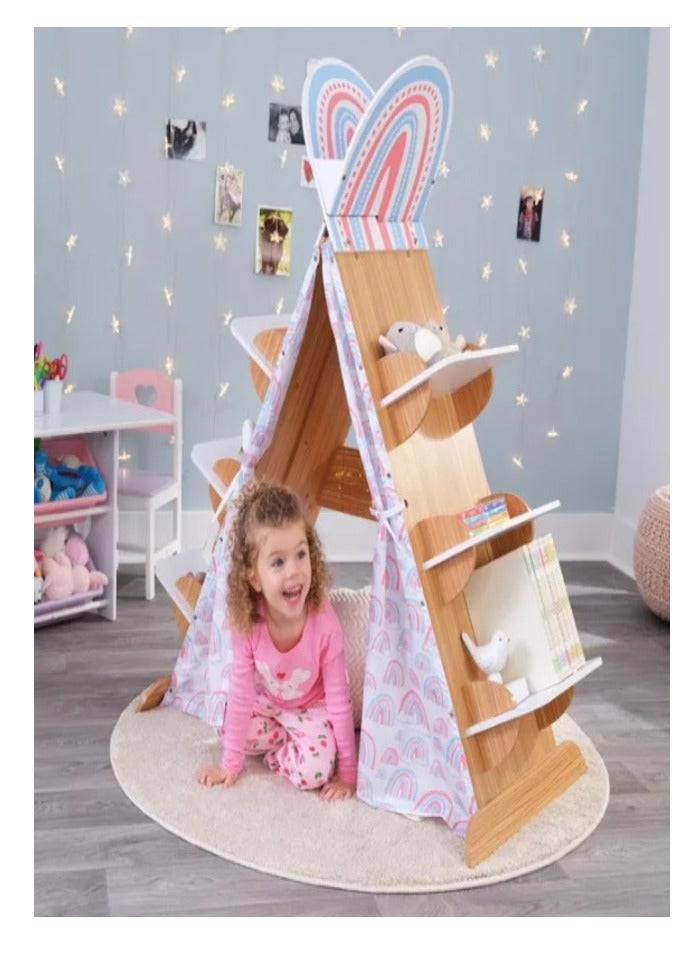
{"points": [[352, 608], [651, 553]]}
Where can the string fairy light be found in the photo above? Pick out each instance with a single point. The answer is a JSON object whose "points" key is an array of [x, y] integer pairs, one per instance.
{"points": [[524, 333], [124, 178], [220, 241], [168, 295], [399, 31], [128, 32], [128, 254], [581, 106], [180, 74], [552, 432], [521, 399], [485, 132], [226, 318], [523, 267], [572, 176], [443, 169], [586, 35], [59, 86], [279, 304], [566, 372], [115, 325], [277, 83], [539, 53], [532, 127], [518, 462], [565, 238], [228, 101], [223, 388], [71, 241], [438, 239], [487, 202], [60, 162], [119, 107], [569, 306], [283, 156], [166, 221], [482, 339], [70, 313], [491, 59], [486, 271]]}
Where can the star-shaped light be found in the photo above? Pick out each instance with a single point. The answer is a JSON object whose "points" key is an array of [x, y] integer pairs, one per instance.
{"points": [[567, 371], [60, 86], [222, 388], [230, 29], [443, 169], [586, 35], [166, 221], [70, 312], [227, 318], [517, 461], [486, 271], [169, 364], [532, 127], [278, 305], [124, 456], [220, 241], [487, 202], [445, 309], [491, 59], [399, 31], [69, 388], [569, 306], [484, 132], [129, 32], [71, 241], [228, 100], [124, 178], [60, 162], [565, 239], [552, 432], [482, 339], [116, 325], [522, 262], [277, 83], [128, 254], [119, 107], [539, 53], [167, 295], [521, 399], [524, 332], [581, 107], [572, 176], [180, 74], [283, 156], [438, 239]]}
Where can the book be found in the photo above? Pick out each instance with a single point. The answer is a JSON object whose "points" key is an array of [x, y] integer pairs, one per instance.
{"points": [[521, 594], [484, 515]]}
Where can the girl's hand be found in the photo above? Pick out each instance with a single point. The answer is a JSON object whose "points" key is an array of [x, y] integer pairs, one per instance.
{"points": [[212, 775], [336, 789]]}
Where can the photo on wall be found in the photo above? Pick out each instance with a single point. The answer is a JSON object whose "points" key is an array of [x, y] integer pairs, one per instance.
{"points": [[228, 202], [531, 207], [285, 124], [185, 139], [273, 251]]}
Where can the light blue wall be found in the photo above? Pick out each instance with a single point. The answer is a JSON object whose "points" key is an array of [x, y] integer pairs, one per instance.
{"points": [[602, 145]]}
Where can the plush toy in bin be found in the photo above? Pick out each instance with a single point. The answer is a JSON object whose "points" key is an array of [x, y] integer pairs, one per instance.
{"points": [[430, 342], [66, 480], [65, 565]]}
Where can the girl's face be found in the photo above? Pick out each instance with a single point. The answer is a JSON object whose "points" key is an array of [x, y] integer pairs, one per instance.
{"points": [[294, 123], [282, 573]]}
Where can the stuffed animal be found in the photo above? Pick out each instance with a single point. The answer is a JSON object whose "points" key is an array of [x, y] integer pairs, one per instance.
{"points": [[449, 347], [63, 577], [430, 342]]}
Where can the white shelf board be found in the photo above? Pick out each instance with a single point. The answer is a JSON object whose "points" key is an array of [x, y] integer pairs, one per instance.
{"points": [[172, 568], [537, 699], [207, 454], [452, 373], [495, 531], [245, 329]]}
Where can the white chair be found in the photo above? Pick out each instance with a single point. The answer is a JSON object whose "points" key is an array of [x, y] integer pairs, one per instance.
{"points": [[144, 491]]}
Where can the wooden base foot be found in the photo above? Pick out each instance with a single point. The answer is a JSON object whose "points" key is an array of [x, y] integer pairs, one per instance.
{"points": [[497, 821], [154, 694]]}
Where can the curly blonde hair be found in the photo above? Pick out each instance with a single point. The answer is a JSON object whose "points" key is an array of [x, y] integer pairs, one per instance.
{"points": [[258, 505]]}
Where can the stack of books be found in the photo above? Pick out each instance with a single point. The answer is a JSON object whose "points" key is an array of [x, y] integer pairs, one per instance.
{"points": [[524, 594], [483, 516]]}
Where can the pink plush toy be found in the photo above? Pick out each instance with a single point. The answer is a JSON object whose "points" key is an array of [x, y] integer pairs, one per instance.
{"points": [[64, 566]]}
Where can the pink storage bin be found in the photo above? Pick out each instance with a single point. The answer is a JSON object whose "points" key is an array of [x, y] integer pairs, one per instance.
{"points": [[56, 447]]}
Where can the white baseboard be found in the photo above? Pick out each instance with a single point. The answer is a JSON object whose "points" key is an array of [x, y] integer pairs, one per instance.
{"points": [[588, 536]]}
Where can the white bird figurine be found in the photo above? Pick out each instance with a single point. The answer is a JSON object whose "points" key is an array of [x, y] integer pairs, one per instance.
{"points": [[491, 656]]}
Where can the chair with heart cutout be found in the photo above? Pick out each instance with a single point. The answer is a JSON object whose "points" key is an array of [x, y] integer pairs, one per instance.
{"points": [[144, 490]]}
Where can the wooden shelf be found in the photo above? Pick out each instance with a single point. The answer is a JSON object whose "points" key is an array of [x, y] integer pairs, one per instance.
{"points": [[207, 454], [496, 531], [173, 568], [537, 699], [244, 330], [453, 372]]}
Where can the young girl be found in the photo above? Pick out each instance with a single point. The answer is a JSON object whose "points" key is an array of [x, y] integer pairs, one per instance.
{"points": [[289, 697]]}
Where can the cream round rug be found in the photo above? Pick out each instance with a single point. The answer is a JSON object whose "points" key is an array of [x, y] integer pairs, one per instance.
{"points": [[264, 823]]}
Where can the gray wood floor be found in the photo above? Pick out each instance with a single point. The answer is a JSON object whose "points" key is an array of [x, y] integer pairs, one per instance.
{"points": [[97, 855]]}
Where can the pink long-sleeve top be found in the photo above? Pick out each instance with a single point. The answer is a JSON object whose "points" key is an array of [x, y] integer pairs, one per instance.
{"points": [[312, 673]]}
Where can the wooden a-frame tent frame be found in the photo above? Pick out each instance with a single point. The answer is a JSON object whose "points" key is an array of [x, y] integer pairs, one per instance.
{"points": [[437, 738]]}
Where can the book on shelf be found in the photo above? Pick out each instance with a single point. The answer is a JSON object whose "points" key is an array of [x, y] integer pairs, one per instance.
{"points": [[524, 594], [482, 516]]}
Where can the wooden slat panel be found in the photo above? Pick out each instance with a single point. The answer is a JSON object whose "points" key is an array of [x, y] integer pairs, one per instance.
{"points": [[269, 343], [345, 488]]}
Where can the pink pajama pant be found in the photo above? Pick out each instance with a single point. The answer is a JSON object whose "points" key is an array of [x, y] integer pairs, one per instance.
{"points": [[296, 743]]}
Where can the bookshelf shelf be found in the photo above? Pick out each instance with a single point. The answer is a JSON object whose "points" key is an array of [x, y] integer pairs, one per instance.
{"points": [[209, 455], [452, 373], [470, 542], [250, 334], [536, 700]]}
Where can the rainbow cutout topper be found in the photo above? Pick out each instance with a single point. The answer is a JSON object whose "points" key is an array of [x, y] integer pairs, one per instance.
{"points": [[391, 158], [335, 97]]}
